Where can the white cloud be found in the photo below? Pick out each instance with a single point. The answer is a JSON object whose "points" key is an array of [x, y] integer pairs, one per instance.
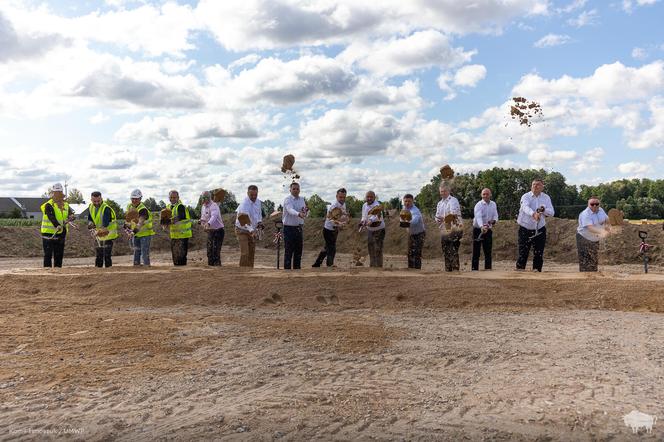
{"points": [[247, 59], [629, 5], [377, 96], [191, 131], [573, 6], [551, 40], [402, 56], [588, 161], [586, 18], [635, 169], [542, 158], [470, 75], [241, 25], [639, 53], [98, 118], [307, 78], [108, 157], [18, 46]]}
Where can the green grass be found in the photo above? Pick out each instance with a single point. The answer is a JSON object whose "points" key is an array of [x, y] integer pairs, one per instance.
{"points": [[19, 222]]}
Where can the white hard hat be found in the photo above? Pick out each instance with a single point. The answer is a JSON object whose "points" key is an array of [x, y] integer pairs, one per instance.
{"points": [[57, 187], [136, 194]]}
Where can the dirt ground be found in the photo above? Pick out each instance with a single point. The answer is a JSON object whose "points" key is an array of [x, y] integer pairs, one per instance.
{"points": [[329, 354]]}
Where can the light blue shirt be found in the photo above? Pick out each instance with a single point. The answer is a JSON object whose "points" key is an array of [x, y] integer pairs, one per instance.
{"points": [[292, 208], [417, 222], [588, 218]]}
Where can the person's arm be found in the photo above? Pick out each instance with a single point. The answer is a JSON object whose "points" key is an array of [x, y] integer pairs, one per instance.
{"points": [[106, 217], [90, 220], [288, 207], [494, 214], [182, 213], [456, 209], [548, 207], [50, 214], [478, 214], [525, 205], [417, 217], [439, 212]]}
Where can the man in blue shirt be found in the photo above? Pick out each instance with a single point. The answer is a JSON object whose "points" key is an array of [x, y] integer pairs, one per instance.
{"points": [[416, 233]]}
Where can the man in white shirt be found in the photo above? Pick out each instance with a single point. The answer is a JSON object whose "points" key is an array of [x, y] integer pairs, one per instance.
{"points": [[295, 210], [486, 216], [535, 207], [593, 226], [448, 217], [331, 230], [375, 226], [214, 226], [246, 234], [416, 233]]}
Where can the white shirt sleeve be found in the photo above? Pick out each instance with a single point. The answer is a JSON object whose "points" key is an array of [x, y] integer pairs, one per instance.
{"points": [[479, 221], [288, 207], [548, 207], [525, 204]]}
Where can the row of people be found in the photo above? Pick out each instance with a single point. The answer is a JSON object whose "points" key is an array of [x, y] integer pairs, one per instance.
{"points": [[535, 207]]}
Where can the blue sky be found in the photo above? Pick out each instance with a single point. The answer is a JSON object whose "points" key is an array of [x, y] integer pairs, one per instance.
{"points": [[119, 94]]}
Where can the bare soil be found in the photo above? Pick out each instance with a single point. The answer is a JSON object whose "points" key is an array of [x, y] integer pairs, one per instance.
{"points": [[330, 354]]}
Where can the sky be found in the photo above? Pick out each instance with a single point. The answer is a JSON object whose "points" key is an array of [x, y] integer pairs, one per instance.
{"points": [[113, 95]]}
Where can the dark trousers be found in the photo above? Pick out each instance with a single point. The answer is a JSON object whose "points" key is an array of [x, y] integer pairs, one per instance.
{"points": [[485, 243], [415, 245], [179, 249], [525, 243], [588, 254], [293, 243], [450, 245], [330, 249], [375, 244], [214, 241], [54, 251], [103, 252]]}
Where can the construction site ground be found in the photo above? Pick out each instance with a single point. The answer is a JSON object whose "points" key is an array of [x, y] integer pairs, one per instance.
{"points": [[347, 353]]}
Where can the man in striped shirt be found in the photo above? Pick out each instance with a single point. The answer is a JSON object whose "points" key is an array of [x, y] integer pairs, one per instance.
{"points": [[375, 225]]}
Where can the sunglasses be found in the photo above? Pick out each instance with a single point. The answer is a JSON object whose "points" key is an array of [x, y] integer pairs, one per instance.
{"points": [[594, 204]]}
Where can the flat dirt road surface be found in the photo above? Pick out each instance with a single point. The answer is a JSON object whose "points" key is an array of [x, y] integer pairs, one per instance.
{"points": [[328, 354]]}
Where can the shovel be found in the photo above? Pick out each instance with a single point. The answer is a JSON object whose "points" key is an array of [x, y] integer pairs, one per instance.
{"points": [[537, 228], [480, 237]]}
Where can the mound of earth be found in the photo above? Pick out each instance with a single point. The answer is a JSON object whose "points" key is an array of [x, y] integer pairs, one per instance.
{"points": [[620, 247]]}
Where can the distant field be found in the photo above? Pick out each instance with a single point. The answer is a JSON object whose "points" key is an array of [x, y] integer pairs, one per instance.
{"points": [[645, 221], [19, 222]]}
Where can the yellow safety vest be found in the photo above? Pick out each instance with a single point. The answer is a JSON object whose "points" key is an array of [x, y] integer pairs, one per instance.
{"points": [[47, 226], [146, 230], [181, 229], [97, 214]]}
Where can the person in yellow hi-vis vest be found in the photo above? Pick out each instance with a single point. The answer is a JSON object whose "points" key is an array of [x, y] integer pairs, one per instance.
{"points": [[56, 213], [142, 230], [180, 229], [101, 219]]}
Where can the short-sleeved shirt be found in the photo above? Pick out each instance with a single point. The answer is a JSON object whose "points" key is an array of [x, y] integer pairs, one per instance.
{"points": [[588, 218]]}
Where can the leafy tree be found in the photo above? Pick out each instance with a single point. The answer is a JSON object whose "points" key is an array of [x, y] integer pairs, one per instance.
{"points": [[151, 204], [229, 204], [641, 207], [317, 206], [194, 212], [354, 206], [75, 197], [119, 213], [268, 207], [395, 202]]}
